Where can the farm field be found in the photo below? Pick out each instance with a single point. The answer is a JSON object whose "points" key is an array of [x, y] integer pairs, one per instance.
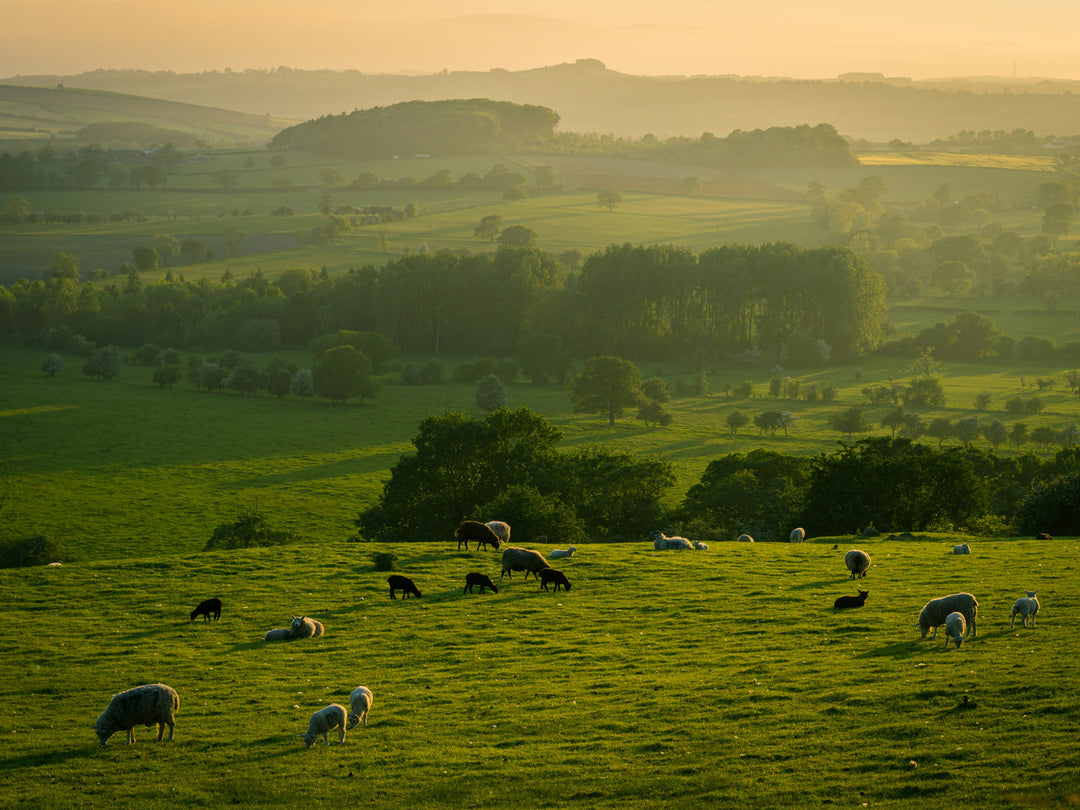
{"points": [[662, 679]]}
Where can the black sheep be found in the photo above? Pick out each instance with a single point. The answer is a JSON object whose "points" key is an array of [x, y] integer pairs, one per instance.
{"points": [[403, 584], [475, 530], [552, 575], [851, 601], [206, 607], [483, 580]]}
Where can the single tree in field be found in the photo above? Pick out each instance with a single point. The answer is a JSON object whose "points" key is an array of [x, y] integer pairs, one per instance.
{"points": [[167, 376], [490, 393], [277, 161], [518, 236], [489, 227], [606, 385], [331, 177], [849, 421], [104, 363], [609, 198], [233, 238], [768, 421], [340, 373], [227, 178], [968, 429], [302, 385], [53, 364], [281, 182], [1018, 433], [692, 185], [735, 420]]}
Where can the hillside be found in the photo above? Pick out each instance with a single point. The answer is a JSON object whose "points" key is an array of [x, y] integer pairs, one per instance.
{"points": [[590, 98]]}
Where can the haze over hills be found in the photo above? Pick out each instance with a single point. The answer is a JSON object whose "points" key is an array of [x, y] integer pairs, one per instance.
{"points": [[591, 98]]}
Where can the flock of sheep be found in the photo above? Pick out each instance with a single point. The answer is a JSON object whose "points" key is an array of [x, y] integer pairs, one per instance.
{"points": [[156, 704]]}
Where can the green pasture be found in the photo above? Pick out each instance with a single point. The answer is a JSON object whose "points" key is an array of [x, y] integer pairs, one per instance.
{"points": [[719, 678]]}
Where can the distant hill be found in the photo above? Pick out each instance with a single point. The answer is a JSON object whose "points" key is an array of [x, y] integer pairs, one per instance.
{"points": [[590, 98], [113, 119]]}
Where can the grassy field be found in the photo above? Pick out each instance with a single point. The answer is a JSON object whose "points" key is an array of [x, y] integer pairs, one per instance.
{"points": [[662, 679]]}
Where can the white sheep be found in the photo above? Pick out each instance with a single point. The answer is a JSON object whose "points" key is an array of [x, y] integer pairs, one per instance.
{"points": [[501, 530], [522, 559], [303, 627], [1025, 606], [559, 553], [797, 535], [955, 628], [152, 704], [699, 546], [661, 542], [744, 538], [936, 611], [323, 722], [359, 704], [963, 548], [278, 634], [857, 562]]}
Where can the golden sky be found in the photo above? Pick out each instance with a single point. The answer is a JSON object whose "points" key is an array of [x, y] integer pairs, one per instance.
{"points": [[916, 38]]}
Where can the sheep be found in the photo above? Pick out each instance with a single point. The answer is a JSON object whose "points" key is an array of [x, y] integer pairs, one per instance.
{"points": [[851, 601], [403, 584], [661, 542], [955, 628], [936, 611], [303, 627], [206, 607], [501, 529], [744, 538], [278, 634], [797, 535], [483, 580], [699, 546], [359, 704], [553, 575], [323, 722], [522, 559], [1025, 606], [483, 534], [148, 705], [559, 553], [857, 562], [963, 548]]}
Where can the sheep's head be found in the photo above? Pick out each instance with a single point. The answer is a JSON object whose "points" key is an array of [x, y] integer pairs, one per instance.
{"points": [[1031, 594], [297, 621], [864, 594]]}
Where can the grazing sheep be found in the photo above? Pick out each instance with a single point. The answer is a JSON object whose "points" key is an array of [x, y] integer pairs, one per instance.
{"points": [[661, 542], [152, 704], [483, 580], [699, 546], [403, 584], [857, 562], [278, 634], [522, 559], [963, 548], [552, 575], [1025, 606], [851, 601], [936, 611], [559, 553], [475, 530], [1043, 536], [323, 722], [797, 535], [359, 704], [206, 607], [955, 628], [303, 627], [501, 529], [744, 538]]}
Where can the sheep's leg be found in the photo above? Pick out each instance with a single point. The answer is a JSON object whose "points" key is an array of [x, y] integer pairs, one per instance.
{"points": [[172, 727], [131, 735], [934, 634], [341, 741], [160, 730]]}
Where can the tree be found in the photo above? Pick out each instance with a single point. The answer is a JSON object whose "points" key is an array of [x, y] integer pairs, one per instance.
{"points": [[543, 357], [118, 177], [606, 385], [768, 421], [146, 258], [167, 248], [53, 365], [150, 174], [326, 204], [995, 433], [17, 209], [515, 193], [331, 177], [849, 421], [692, 185], [233, 238], [167, 376], [547, 180], [968, 429], [652, 412], [1044, 436], [227, 178], [192, 249], [250, 530], [1018, 433], [412, 210], [64, 265], [302, 385], [104, 363], [941, 429], [609, 198], [281, 182], [735, 420], [277, 161], [490, 393], [340, 373], [489, 227], [518, 236], [656, 388]]}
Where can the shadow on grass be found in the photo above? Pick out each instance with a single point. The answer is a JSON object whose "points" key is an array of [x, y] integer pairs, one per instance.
{"points": [[51, 758], [901, 649]]}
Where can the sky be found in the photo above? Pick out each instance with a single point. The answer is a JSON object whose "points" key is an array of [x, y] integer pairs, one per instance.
{"points": [[915, 38]]}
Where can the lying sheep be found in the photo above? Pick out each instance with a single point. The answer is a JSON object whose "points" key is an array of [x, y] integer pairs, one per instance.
{"points": [[552, 575], [303, 627], [522, 559], [482, 533], [797, 535], [403, 584], [699, 546], [501, 529], [483, 580], [559, 553], [206, 607], [857, 562], [278, 634], [936, 611], [851, 601], [661, 542], [359, 704], [1025, 606], [955, 628], [963, 548], [323, 722], [152, 704], [744, 538]]}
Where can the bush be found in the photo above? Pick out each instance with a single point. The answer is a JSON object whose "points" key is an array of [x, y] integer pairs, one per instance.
{"points": [[248, 531], [384, 560], [37, 550]]}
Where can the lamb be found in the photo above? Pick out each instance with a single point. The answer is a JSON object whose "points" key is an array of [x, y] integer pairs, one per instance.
{"points": [[278, 634], [955, 628], [857, 562], [323, 722], [797, 535], [744, 538], [661, 542], [303, 627], [403, 584], [552, 575], [482, 533], [501, 529], [699, 546], [206, 607], [152, 704], [936, 611], [483, 580], [522, 559], [559, 553], [851, 601], [1025, 606], [963, 548], [359, 704]]}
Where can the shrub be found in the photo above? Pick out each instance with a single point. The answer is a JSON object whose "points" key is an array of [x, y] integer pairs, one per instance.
{"points": [[248, 531], [384, 560], [40, 549]]}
